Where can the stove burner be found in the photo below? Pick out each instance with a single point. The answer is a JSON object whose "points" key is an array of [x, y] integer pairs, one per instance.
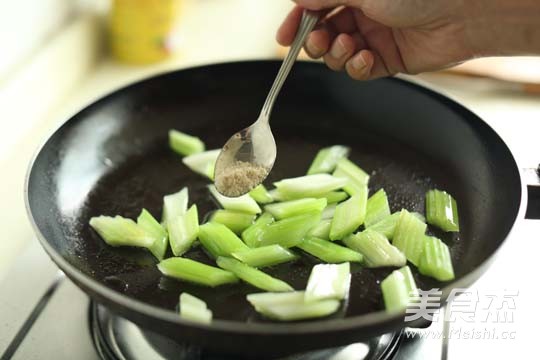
{"points": [[116, 338]]}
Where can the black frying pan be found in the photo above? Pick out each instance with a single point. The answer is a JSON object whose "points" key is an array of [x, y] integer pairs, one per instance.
{"points": [[112, 158]]}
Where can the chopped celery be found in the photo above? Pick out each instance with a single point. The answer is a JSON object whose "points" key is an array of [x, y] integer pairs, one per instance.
{"points": [[252, 235], [295, 207], [328, 282], [244, 203], [154, 228], [419, 216], [322, 230], [327, 158], [309, 186], [261, 195], [276, 195], [329, 252], [409, 236], [219, 240], [328, 212], [387, 225], [268, 299], [377, 208], [289, 232], [183, 231], [376, 248], [175, 205], [119, 231], [185, 144], [265, 256], [203, 163], [435, 260], [349, 216], [300, 311], [335, 196], [235, 220], [398, 289], [253, 276], [441, 210], [194, 309], [357, 178], [196, 272]]}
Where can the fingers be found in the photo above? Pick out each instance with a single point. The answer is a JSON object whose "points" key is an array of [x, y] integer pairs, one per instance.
{"points": [[342, 48], [321, 4], [287, 31]]}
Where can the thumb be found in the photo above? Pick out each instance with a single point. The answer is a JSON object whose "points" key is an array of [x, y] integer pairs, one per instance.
{"points": [[326, 4]]}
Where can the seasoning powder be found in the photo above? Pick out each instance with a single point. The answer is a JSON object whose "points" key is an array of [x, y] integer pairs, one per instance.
{"points": [[239, 178]]}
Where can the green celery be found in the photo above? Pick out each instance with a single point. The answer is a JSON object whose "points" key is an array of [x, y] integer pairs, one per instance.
{"points": [[357, 178], [183, 231], [329, 252], [253, 276], [149, 224], [244, 203], [322, 230], [261, 195], [335, 196], [309, 186], [235, 220], [265, 256], [295, 207], [327, 158], [252, 235], [328, 282], [436, 261], [377, 208], [185, 144], [175, 205], [119, 231], [219, 240], [409, 236], [329, 212], [349, 215], [387, 225], [203, 163], [302, 311], [268, 299], [196, 272], [441, 210], [277, 196], [398, 289], [194, 309], [289, 232], [377, 250], [409, 282]]}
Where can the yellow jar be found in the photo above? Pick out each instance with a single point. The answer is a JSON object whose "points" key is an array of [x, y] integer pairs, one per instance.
{"points": [[143, 31]]}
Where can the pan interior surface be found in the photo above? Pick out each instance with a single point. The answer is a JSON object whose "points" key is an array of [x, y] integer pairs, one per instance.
{"points": [[113, 159]]}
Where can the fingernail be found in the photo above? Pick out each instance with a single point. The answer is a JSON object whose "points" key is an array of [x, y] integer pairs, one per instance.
{"points": [[312, 49], [358, 62], [338, 50]]}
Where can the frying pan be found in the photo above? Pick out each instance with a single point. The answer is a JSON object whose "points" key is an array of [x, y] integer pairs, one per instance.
{"points": [[113, 158]]}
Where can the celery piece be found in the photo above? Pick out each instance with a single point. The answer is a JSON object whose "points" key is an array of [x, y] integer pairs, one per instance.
{"points": [[235, 220], [327, 158], [419, 216], [377, 208], [302, 311], [265, 256], [387, 225], [175, 205], [295, 207], [196, 272], [435, 260], [261, 195], [328, 282], [335, 196], [219, 240], [185, 144], [276, 195], [349, 215], [309, 186], [252, 235], [357, 178], [289, 232], [398, 289], [322, 230], [329, 252], [149, 224], [244, 203], [377, 250], [194, 309], [441, 210], [329, 212], [119, 231], [183, 231], [269, 299], [253, 276], [203, 163], [409, 236]]}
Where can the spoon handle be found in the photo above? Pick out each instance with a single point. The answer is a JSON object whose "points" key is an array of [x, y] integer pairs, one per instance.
{"points": [[307, 24]]}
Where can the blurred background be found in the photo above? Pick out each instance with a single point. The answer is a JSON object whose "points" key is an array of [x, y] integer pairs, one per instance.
{"points": [[59, 55]]}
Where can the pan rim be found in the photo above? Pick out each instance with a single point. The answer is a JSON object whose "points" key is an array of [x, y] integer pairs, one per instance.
{"points": [[230, 326]]}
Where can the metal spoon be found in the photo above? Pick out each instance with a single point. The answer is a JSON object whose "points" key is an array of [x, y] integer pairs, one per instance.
{"points": [[248, 156]]}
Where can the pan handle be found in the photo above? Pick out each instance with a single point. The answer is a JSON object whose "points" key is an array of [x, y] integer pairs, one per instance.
{"points": [[531, 177]]}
